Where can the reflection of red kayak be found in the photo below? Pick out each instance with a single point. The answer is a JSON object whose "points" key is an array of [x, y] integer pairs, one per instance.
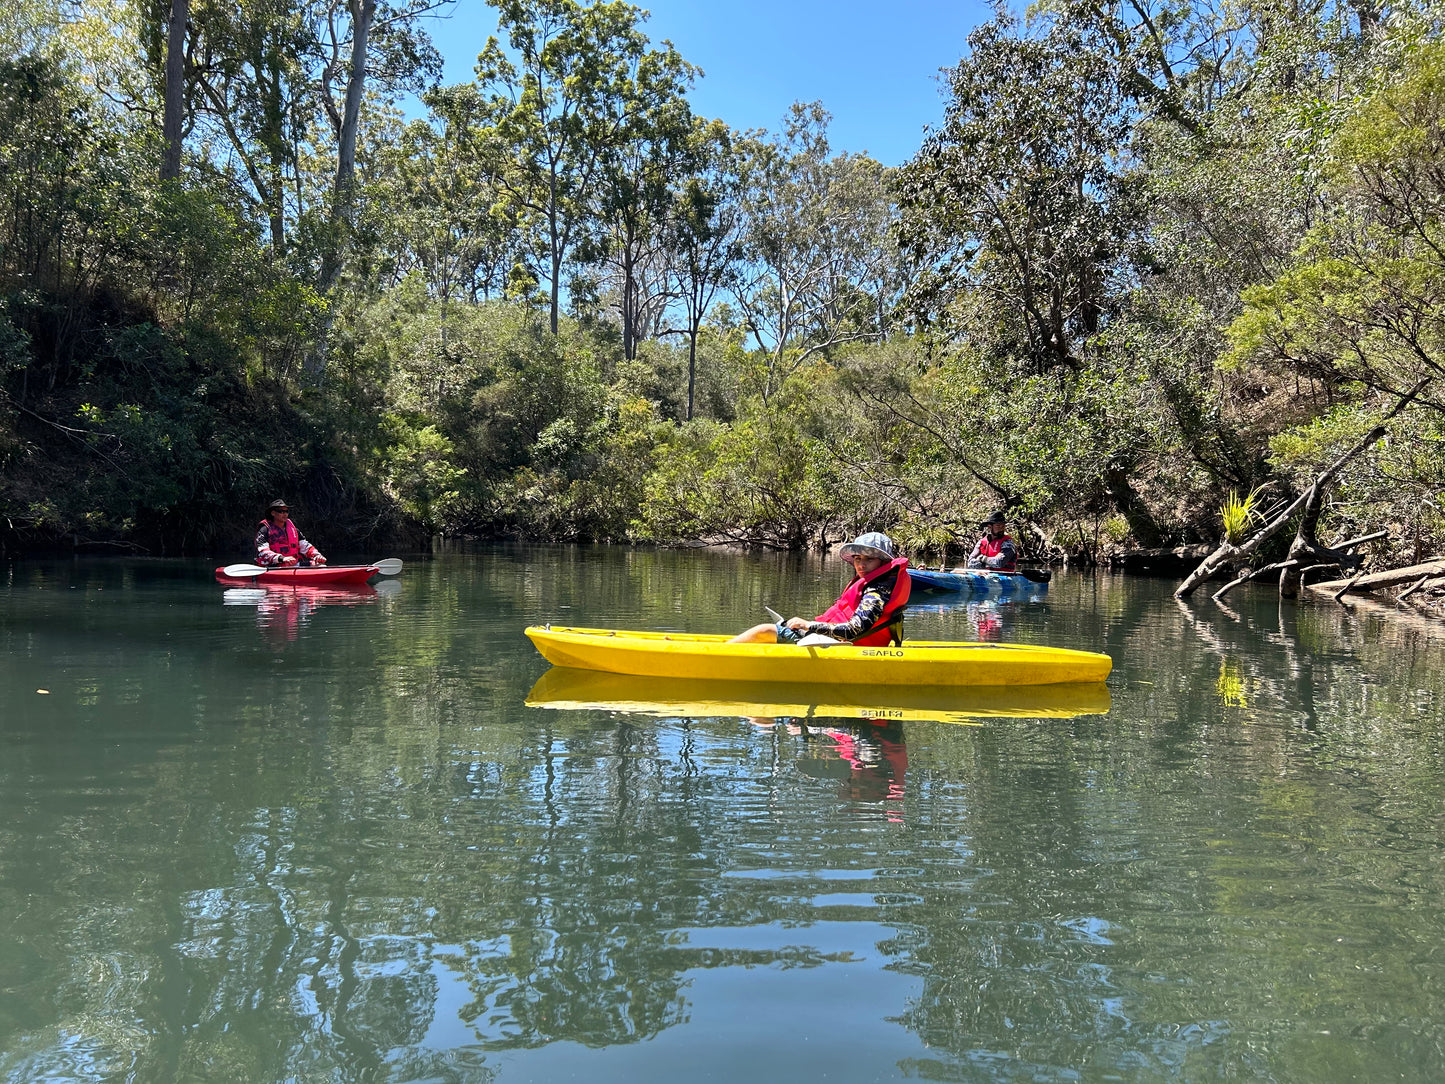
{"points": [[318, 594], [305, 577]]}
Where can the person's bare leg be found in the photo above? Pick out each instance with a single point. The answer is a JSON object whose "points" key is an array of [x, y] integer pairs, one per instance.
{"points": [[766, 633]]}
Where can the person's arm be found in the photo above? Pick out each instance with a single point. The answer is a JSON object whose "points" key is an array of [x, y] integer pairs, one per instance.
{"points": [[974, 560], [310, 552], [265, 555], [870, 609]]}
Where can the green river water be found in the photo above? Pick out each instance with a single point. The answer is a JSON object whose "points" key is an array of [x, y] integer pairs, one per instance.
{"points": [[249, 835]]}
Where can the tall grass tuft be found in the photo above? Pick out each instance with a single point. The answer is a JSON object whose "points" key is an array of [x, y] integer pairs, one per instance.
{"points": [[1237, 513]]}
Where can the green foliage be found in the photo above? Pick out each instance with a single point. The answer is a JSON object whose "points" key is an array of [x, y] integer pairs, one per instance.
{"points": [[1157, 259], [1363, 298], [1237, 513], [1017, 210], [820, 266], [763, 480], [423, 473]]}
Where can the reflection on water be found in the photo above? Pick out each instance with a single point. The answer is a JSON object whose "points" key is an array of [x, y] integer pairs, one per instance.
{"points": [[989, 615], [397, 846], [869, 761], [282, 611], [568, 688]]}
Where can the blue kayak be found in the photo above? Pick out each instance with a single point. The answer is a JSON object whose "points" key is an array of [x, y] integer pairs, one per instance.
{"points": [[980, 580]]}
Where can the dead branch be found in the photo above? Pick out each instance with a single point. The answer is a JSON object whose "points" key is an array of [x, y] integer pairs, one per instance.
{"points": [[1353, 542], [1341, 592], [1315, 568], [1249, 574], [1410, 591]]}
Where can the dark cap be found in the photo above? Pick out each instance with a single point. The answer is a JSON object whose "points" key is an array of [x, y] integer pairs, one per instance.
{"points": [[997, 517], [278, 505]]}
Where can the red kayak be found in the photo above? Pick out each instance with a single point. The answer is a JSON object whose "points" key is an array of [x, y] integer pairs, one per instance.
{"points": [[308, 577]]}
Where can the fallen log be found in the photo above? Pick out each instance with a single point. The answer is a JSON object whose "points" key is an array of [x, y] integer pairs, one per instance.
{"points": [[1378, 581]]}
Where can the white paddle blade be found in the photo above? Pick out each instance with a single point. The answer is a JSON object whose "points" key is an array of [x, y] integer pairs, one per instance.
{"points": [[242, 571], [389, 567], [817, 639]]}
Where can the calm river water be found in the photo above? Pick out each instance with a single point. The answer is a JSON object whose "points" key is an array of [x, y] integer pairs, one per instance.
{"points": [[258, 836]]}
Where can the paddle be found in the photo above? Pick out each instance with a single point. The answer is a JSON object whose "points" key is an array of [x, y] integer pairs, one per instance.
{"points": [[1035, 575], [812, 639], [387, 567]]}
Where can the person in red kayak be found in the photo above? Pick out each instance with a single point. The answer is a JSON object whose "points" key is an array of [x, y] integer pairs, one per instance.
{"points": [[869, 612], [279, 543], [995, 550]]}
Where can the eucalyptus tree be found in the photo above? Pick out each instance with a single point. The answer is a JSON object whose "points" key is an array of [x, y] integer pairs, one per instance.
{"points": [[174, 111], [635, 191], [361, 38], [704, 234], [434, 204], [566, 96], [274, 89], [253, 65], [815, 228]]}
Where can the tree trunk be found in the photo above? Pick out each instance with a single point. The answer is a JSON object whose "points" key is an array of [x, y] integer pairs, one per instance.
{"points": [[691, 367], [1134, 510], [175, 104], [343, 196]]}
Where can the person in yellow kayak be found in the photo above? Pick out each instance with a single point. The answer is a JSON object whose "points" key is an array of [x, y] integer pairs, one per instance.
{"points": [[279, 543], [869, 612]]}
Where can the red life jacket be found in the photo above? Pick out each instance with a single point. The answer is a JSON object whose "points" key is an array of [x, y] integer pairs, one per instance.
{"points": [[285, 539], [992, 547], [889, 626]]}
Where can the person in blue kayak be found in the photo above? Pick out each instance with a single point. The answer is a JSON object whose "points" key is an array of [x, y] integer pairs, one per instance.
{"points": [[995, 550], [279, 543], [869, 612]]}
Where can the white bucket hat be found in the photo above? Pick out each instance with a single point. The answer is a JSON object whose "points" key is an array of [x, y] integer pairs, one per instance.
{"points": [[872, 544]]}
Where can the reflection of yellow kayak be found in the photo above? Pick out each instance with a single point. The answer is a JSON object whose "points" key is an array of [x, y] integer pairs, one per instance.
{"points": [[919, 662], [564, 687]]}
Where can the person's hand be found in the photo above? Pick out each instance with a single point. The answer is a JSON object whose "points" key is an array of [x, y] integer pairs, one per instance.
{"points": [[797, 623], [287, 562], [317, 559]]}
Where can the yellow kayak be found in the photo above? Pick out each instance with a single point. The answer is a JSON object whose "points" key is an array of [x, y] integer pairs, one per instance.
{"points": [[674, 698], [918, 662]]}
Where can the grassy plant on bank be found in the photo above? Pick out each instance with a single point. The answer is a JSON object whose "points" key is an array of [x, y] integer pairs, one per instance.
{"points": [[1237, 513]]}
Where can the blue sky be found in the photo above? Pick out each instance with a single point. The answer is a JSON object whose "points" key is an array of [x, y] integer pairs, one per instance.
{"points": [[873, 65]]}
